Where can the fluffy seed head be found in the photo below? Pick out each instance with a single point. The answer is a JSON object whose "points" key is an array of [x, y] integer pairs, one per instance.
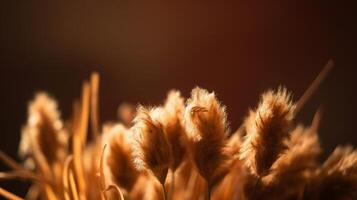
{"points": [[172, 120], [205, 120], [298, 163], [266, 128], [151, 149], [118, 158], [45, 126]]}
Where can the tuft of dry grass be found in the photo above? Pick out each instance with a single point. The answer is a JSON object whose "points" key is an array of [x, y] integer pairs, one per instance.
{"points": [[185, 147], [45, 128], [266, 129], [206, 124], [118, 159], [172, 120], [151, 149]]}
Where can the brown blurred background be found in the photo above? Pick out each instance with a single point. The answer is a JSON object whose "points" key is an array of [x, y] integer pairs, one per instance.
{"points": [[236, 48]]}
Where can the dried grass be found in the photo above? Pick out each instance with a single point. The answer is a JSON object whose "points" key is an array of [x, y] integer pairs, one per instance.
{"points": [[269, 157]]}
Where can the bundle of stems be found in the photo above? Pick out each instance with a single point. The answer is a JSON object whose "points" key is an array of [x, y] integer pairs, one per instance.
{"points": [[182, 149]]}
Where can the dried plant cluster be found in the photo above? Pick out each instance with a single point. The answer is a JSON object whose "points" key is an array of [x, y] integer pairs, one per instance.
{"points": [[182, 149]]}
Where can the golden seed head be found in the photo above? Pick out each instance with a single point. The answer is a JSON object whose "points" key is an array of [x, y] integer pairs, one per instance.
{"points": [[45, 126], [205, 120], [171, 117], [266, 128], [151, 149], [120, 166]]}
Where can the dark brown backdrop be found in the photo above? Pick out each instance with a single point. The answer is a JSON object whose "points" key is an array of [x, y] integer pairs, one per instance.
{"points": [[236, 48]]}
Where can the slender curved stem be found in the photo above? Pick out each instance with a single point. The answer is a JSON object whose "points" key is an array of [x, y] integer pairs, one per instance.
{"points": [[9, 195], [172, 186], [164, 191], [314, 86]]}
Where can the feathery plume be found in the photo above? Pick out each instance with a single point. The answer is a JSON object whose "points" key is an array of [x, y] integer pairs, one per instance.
{"points": [[171, 119], [300, 158], [43, 142], [118, 158], [151, 149], [206, 125], [44, 124], [266, 129], [296, 166]]}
